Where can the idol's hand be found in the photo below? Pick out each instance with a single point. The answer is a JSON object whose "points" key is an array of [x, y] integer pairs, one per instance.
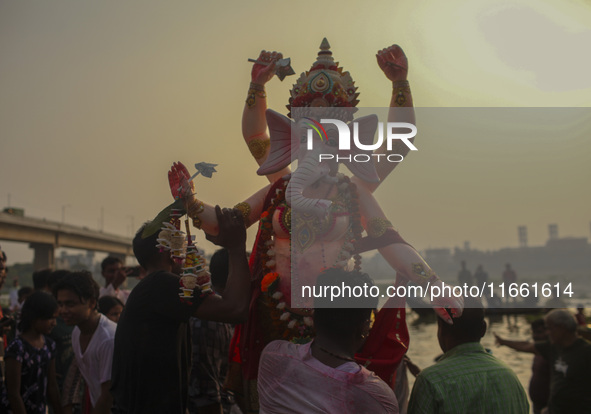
{"points": [[393, 63], [445, 302], [261, 73], [181, 185]]}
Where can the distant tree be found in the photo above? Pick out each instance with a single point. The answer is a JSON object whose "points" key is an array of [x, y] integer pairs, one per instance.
{"points": [[78, 266], [21, 271]]}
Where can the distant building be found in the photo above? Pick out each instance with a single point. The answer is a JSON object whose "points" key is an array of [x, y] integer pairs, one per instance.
{"points": [[553, 231], [568, 243], [559, 257], [438, 255], [522, 233], [81, 261]]}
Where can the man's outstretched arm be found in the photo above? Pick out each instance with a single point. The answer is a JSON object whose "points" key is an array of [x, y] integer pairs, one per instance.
{"points": [[521, 346], [232, 304]]}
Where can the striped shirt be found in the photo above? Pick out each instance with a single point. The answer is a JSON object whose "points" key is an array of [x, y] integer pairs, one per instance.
{"points": [[467, 379]]}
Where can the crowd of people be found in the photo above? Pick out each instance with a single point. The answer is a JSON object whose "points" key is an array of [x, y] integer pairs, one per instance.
{"points": [[111, 338], [143, 364], [235, 339]]}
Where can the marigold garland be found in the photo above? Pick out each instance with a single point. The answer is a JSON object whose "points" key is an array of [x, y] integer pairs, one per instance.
{"points": [[293, 326], [268, 280]]}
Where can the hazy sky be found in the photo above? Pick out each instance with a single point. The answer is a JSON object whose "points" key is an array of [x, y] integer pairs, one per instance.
{"points": [[97, 99]]}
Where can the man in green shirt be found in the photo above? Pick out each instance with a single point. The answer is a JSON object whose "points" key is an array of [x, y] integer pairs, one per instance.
{"points": [[467, 379]]}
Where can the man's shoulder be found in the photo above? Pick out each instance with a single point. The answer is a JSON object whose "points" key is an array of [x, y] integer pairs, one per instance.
{"points": [[434, 373], [582, 346], [156, 278], [475, 360], [281, 347], [375, 394], [374, 383], [544, 348], [466, 371], [281, 352], [155, 282], [104, 338], [502, 370], [107, 327]]}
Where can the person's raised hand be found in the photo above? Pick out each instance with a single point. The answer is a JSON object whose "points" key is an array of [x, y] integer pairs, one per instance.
{"points": [[232, 231]]}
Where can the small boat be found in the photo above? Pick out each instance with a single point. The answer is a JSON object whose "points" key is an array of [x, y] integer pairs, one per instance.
{"points": [[424, 310]]}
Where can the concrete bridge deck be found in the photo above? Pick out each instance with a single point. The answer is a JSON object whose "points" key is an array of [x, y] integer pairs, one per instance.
{"points": [[45, 236]]}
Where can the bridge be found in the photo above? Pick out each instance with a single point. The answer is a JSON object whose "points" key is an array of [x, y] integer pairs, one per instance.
{"points": [[45, 236]]}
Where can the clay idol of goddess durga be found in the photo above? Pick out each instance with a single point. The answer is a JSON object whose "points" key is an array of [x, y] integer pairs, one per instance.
{"points": [[315, 217]]}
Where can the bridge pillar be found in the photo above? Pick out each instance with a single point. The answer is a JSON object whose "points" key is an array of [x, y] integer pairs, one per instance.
{"points": [[120, 256], [44, 257]]}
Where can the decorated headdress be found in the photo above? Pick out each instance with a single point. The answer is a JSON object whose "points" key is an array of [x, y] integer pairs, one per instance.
{"points": [[324, 85], [325, 91]]}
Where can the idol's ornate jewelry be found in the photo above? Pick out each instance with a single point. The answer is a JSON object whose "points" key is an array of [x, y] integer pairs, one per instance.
{"points": [[258, 147], [194, 210], [377, 226], [245, 209], [425, 274], [400, 89], [255, 90]]}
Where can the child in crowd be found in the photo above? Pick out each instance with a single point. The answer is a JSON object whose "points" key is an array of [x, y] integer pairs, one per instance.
{"points": [[111, 307], [21, 295], [30, 360], [92, 338]]}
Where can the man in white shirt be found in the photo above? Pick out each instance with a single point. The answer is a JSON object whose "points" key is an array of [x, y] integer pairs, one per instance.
{"points": [[92, 338], [323, 376], [115, 275]]}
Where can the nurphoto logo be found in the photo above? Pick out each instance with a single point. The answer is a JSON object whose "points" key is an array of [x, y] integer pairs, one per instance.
{"points": [[362, 152]]}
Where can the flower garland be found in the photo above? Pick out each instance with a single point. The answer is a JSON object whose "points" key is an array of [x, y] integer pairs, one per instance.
{"points": [[195, 276], [293, 326], [299, 328]]}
